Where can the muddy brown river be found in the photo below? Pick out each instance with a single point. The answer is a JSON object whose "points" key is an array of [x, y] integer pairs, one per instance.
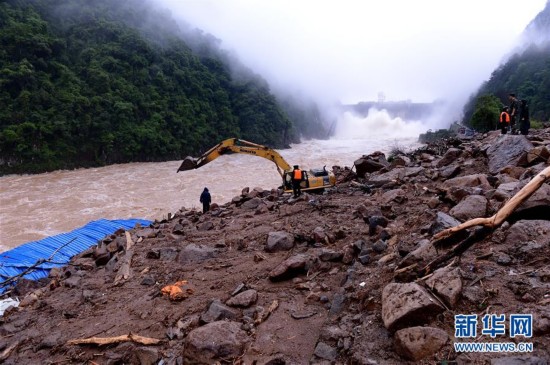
{"points": [[36, 206]]}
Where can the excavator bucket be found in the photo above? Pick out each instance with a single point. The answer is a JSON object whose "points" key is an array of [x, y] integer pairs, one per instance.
{"points": [[189, 163]]}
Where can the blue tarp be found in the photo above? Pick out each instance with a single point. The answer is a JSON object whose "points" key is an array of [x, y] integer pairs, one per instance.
{"points": [[17, 260]]}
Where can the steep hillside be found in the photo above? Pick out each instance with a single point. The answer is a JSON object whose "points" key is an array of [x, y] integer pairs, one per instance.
{"points": [[87, 83], [525, 73]]}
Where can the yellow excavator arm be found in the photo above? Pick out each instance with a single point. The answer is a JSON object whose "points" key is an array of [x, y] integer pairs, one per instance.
{"points": [[314, 179]]}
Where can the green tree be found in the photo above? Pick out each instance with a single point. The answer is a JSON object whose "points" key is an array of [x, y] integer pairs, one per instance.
{"points": [[486, 113]]}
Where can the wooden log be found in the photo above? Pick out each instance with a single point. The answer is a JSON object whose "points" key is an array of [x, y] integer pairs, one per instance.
{"points": [[100, 341], [504, 212]]}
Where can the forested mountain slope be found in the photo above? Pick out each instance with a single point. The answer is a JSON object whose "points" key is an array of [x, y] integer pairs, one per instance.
{"points": [[94, 82], [526, 73]]}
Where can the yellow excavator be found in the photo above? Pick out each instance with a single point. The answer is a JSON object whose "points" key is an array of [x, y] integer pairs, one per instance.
{"points": [[314, 179]]}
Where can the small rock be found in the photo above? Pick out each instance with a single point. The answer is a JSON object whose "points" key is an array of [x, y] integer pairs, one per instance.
{"points": [[218, 311], [503, 259], [215, 341], [291, 267], [244, 299], [324, 351], [148, 280], [380, 246], [279, 241], [416, 343]]}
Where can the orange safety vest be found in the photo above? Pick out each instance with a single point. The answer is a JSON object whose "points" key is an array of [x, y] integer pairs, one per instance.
{"points": [[297, 174], [504, 117]]}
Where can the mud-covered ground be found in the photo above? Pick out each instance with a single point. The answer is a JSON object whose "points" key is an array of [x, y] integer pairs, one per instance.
{"points": [[333, 278]]}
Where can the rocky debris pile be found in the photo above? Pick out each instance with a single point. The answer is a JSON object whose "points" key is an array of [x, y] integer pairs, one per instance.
{"points": [[324, 279]]}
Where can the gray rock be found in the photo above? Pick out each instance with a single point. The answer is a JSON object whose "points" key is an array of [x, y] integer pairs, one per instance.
{"points": [[324, 351], [476, 180], [147, 355], [539, 199], [380, 246], [168, 253], [472, 206], [449, 157], [530, 237], [507, 150], [291, 267], [416, 343], [218, 311], [319, 235], [195, 253], [214, 341], [330, 255], [424, 251], [397, 174], [337, 303], [244, 299], [447, 284], [503, 259], [450, 171], [205, 226], [279, 241], [147, 233], [407, 304], [252, 203], [536, 155], [73, 281], [395, 195], [442, 221], [148, 280]]}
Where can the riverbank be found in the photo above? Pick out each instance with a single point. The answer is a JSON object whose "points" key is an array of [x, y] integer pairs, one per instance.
{"points": [[332, 278]]}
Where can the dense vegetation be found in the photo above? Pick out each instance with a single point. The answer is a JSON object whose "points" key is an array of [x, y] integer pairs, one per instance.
{"points": [[526, 73], [94, 82]]}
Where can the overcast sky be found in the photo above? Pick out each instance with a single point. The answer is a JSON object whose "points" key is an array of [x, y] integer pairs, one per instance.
{"points": [[349, 51]]}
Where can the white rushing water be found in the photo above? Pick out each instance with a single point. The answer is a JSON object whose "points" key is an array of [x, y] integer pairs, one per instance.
{"points": [[36, 206]]}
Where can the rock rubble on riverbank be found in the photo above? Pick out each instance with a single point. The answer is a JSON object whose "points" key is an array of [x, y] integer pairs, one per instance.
{"points": [[328, 278]]}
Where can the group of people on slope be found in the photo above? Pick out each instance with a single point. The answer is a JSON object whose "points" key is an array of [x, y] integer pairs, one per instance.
{"points": [[297, 178], [515, 117]]}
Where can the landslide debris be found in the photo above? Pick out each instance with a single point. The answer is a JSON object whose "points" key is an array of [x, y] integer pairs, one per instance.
{"points": [[327, 278]]}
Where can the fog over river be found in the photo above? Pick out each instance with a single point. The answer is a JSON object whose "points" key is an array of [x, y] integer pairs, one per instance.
{"points": [[35, 206]]}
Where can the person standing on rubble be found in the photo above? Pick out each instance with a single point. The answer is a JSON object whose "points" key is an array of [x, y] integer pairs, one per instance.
{"points": [[205, 199], [297, 177]]}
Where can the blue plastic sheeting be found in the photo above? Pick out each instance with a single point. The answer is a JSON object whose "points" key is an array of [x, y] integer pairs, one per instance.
{"points": [[19, 259]]}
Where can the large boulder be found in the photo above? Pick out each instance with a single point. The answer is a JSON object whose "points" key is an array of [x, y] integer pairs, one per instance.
{"points": [[407, 304], [507, 150], [472, 206], [214, 341]]}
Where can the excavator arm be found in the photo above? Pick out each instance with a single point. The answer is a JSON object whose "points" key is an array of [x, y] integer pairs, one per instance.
{"points": [[235, 145]]}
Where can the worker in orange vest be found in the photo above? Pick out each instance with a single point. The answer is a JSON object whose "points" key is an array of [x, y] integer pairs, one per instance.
{"points": [[504, 120], [297, 177]]}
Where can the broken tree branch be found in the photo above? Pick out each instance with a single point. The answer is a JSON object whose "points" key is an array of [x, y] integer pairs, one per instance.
{"points": [[504, 212], [117, 339], [126, 262], [477, 235]]}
